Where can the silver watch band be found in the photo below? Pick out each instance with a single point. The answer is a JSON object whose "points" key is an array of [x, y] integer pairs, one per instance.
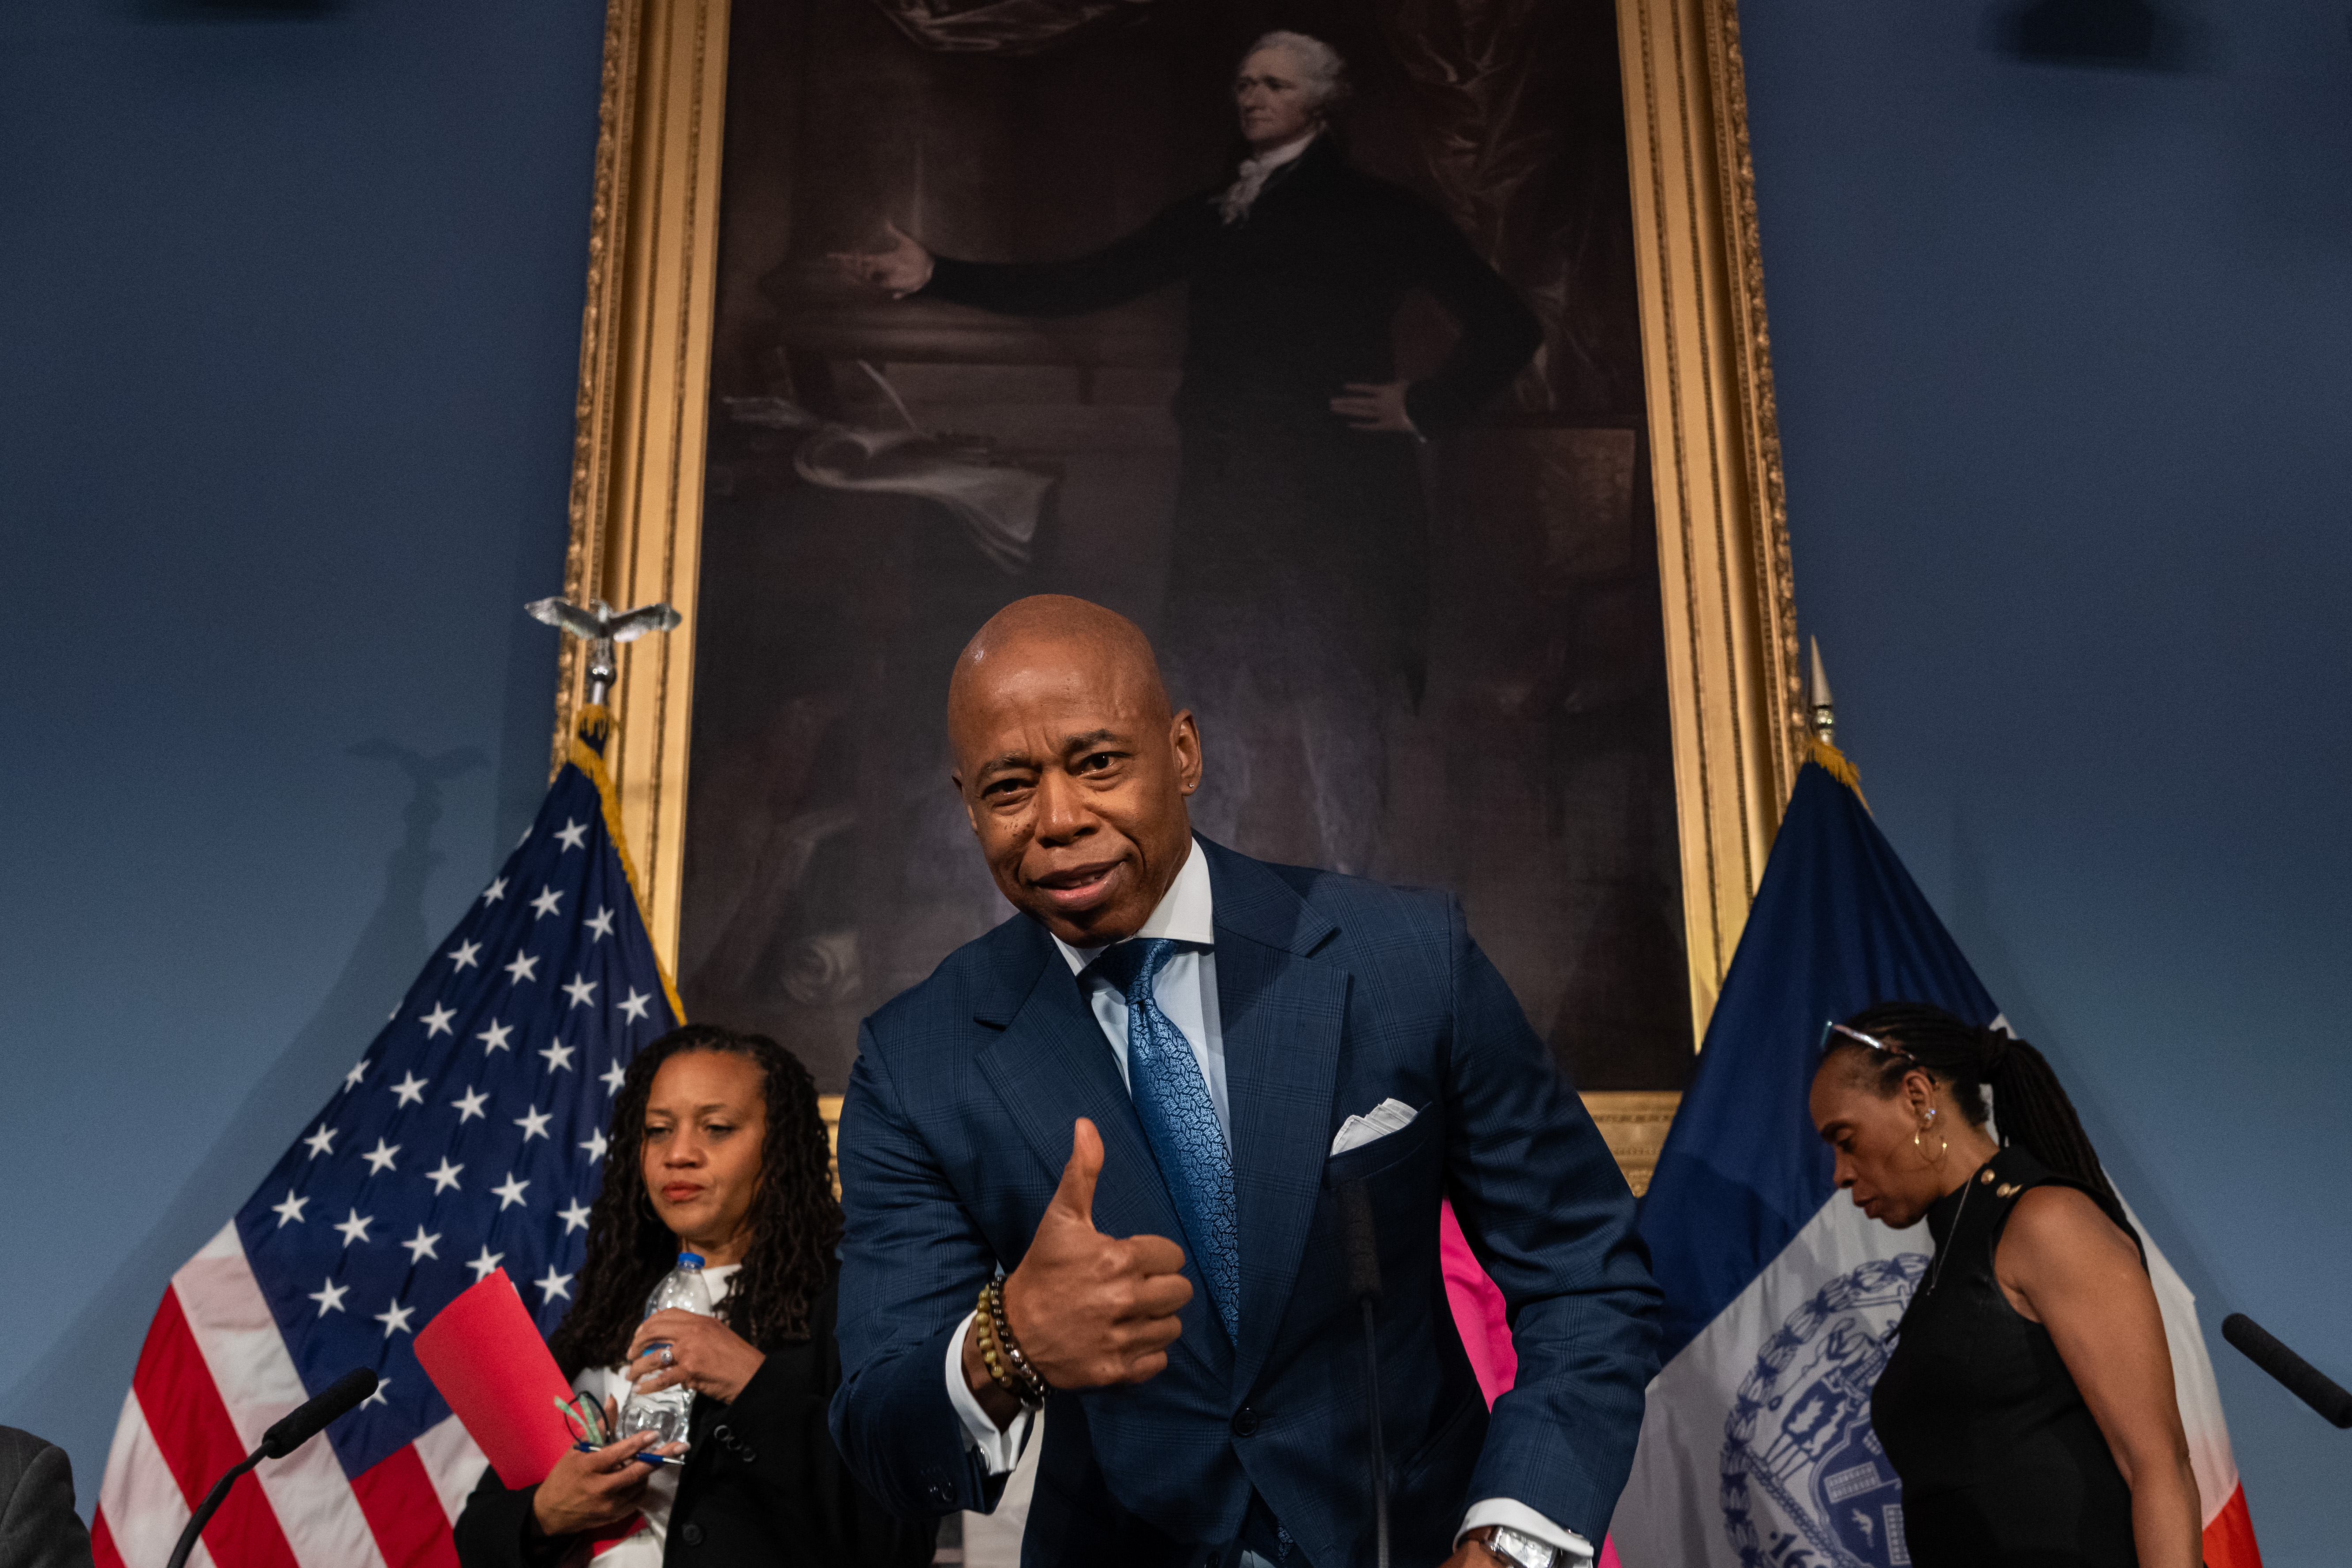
{"points": [[1522, 1550]]}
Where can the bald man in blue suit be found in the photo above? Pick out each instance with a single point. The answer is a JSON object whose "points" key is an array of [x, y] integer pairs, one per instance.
{"points": [[1137, 1100]]}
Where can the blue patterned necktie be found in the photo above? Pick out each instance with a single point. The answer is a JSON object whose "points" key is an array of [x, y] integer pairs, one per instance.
{"points": [[1179, 1120]]}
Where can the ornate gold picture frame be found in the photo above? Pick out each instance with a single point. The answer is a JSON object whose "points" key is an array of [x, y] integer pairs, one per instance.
{"points": [[1733, 700]]}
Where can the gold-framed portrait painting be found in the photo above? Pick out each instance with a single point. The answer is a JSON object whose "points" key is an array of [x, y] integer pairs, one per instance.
{"points": [[1398, 365]]}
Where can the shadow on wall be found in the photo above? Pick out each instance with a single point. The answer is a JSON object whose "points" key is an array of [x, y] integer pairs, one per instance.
{"points": [[233, 10], [2116, 35], [73, 1395]]}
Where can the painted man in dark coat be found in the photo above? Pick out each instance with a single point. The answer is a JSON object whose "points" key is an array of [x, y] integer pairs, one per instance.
{"points": [[1298, 594]]}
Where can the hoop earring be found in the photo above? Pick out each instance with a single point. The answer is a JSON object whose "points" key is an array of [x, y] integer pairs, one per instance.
{"points": [[1944, 1144]]}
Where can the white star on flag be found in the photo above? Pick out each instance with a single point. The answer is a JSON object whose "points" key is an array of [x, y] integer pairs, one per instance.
{"points": [[382, 1386], [408, 1150]]}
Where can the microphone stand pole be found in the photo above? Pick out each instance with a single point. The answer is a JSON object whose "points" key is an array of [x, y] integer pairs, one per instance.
{"points": [[211, 1505], [1364, 1284]]}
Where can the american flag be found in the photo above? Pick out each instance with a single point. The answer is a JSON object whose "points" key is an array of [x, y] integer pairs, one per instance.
{"points": [[468, 1136]]}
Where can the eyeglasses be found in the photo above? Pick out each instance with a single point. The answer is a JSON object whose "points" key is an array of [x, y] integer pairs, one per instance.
{"points": [[1834, 1028], [585, 1416]]}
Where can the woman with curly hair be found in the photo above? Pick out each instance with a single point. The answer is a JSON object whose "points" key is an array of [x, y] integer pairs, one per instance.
{"points": [[716, 1148], [2028, 1407]]}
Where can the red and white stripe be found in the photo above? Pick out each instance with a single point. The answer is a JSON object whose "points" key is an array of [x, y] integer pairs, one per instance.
{"points": [[212, 1375], [2229, 1528]]}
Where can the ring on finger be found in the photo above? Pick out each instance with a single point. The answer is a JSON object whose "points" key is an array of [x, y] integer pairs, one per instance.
{"points": [[668, 1357]]}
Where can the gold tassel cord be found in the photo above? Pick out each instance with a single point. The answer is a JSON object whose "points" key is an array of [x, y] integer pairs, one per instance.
{"points": [[589, 735], [1832, 763]]}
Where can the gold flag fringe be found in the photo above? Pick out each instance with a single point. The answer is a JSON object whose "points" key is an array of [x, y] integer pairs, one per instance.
{"points": [[595, 728], [1832, 763]]}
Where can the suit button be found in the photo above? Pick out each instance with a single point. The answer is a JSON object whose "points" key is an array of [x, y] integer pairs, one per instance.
{"points": [[750, 1456], [1245, 1422], [693, 1535]]}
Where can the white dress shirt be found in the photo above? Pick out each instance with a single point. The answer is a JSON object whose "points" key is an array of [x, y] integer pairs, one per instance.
{"points": [[1186, 990]]}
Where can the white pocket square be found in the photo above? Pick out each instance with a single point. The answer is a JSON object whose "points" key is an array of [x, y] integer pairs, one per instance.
{"points": [[1389, 1116]]}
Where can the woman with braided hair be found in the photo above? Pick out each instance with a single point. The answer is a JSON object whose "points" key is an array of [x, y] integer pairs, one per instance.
{"points": [[2028, 1406], [716, 1148]]}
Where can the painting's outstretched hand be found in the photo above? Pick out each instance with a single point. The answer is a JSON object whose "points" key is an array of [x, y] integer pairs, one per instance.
{"points": [[898, 270], [1375, 405]]}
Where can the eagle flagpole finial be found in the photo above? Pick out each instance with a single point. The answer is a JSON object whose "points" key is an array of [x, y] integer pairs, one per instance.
{"points": [[601, 627]]}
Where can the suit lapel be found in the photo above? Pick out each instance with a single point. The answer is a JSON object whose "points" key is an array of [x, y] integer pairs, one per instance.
{"points": [[1051, 1065], [1283, 1015]]}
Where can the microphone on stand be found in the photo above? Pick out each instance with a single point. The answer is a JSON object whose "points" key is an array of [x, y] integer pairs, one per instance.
{"points": [[1362, 1243], [281, 1440], [2302, 1380]]}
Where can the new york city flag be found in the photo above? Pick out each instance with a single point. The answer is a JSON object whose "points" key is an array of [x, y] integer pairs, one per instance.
{"points": [[469, 1135], [1756, 1449]]}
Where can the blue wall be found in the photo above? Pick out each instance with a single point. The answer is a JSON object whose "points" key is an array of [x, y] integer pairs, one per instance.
{"points": [[2061, 360], [288, 312]]}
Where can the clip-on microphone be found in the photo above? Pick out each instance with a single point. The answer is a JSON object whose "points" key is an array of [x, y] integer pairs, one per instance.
{"points": [[281, 1440], [1362, 1243]]}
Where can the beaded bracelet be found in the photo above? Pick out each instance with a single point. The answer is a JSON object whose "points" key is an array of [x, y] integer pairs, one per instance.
{"points": [[984, 1330], [1001, 1352]]}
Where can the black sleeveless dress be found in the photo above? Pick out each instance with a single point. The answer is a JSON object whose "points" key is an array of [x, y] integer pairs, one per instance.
{"points": [[2001, 1465]]}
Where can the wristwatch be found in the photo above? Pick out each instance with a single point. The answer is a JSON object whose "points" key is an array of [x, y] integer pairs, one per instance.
{"points": [[1518, 1548]]}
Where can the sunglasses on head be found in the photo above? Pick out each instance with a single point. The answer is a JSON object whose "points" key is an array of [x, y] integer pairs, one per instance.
{"points": [[1877, 1045]]}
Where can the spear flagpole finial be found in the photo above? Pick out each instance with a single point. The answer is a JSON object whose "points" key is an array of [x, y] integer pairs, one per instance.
{"points": [[1818, 700], [601, 628]]}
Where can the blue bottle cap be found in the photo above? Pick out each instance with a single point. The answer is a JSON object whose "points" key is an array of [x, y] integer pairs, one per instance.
{"points": [[689, 1261]]}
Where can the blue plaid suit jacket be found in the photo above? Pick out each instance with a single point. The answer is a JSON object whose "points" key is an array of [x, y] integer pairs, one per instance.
{"points": [[1335, 994]]}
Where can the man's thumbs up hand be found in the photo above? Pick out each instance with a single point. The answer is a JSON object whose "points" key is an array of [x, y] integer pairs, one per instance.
{"points": [[1088, 1309]]}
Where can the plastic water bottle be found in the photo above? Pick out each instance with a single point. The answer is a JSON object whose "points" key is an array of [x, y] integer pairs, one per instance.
{"points": [[666, 1410]]}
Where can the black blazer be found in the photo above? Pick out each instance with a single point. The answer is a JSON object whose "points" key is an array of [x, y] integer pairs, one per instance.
{"points": [[38, 1528], [762, 1483]]}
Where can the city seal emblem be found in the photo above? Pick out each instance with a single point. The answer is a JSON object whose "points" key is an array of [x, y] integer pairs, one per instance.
{"points": [[1805, 1484]]}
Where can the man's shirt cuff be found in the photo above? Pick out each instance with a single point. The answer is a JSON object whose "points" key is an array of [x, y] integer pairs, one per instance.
{"points": [[1518, 1516], [999, 1450]]}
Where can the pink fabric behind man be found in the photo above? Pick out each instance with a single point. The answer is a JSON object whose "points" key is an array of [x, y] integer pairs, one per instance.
{"points": [[1486, 1328]]}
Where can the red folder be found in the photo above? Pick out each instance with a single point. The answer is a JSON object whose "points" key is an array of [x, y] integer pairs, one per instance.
{"points": [[484, 1353]]}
